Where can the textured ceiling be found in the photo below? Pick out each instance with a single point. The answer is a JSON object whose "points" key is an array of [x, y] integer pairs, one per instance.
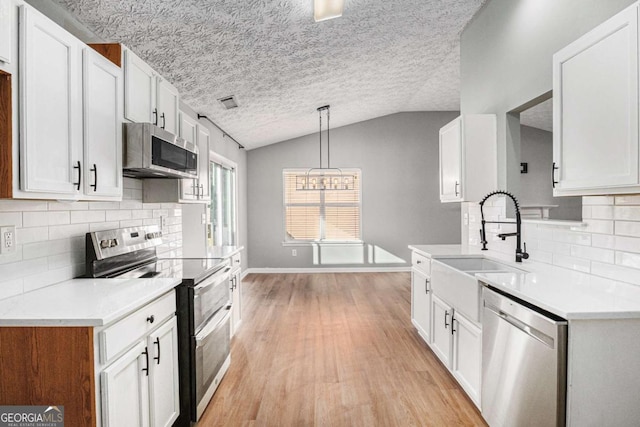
{"points": [[380, 58], [539, 116]]}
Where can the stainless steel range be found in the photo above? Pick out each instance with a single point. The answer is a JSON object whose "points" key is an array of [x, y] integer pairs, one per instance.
{"points": [[203, 304]]}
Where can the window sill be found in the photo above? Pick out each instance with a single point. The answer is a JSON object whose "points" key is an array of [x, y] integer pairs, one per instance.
{"points": [[325, 243]]}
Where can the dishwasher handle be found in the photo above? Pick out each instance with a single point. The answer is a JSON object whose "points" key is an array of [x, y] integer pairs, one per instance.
{"points": [[516, 323]]}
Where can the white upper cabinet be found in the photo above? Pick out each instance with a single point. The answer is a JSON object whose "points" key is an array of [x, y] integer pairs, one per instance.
{"points": [[468, 158], [139, 90], [148, 97], [595, 93], [70, 115], [102, 125], [189, 131], [167, 100], [50, 107], [6, 31]]}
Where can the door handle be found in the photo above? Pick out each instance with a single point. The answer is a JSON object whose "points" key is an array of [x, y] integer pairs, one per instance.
{"points": [[94, 169], [554, 168], [157, 359], [426, 286], [164, 122], [446, 315], [155, 116], [77, 184], [453, 329], [146, 356], [456, 188]]}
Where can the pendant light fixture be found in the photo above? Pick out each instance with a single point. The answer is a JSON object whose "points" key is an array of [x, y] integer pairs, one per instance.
{"points": [[325, 178], [327, 9]]}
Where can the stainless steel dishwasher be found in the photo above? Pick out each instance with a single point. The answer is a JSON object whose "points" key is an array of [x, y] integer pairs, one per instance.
{"points": [[524, 360]]}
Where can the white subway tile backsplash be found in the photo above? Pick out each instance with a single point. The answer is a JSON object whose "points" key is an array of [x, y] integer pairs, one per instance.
{"points": [[628, 244], [627, 228], [628, 200], [587, 212], [78, 217], [598, 226], [11, 218], [603, 241], [597, 200], [572, 237], [595, 254], [67, 231], [631, 213], [628, 260], [601, 212], [32, 234], [68, 206], [22, 205], [554, 247], [41, 219], [51, 235], [118, 215]]}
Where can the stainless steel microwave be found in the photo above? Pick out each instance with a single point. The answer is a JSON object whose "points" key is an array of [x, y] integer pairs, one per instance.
{"points": [[152, 152]]}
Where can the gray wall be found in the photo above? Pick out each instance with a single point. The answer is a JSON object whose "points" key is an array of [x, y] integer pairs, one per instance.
{"points": [[398, 155], [506, 54], [537, 150]]}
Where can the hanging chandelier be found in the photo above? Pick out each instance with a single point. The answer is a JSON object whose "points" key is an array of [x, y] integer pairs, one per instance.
{"points": [[322, 178]]}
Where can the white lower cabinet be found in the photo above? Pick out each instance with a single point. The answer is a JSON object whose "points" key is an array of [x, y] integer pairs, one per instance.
{"points": [[125, 390], [441, 342], [421, 304], [467, 355], [141, 386]]}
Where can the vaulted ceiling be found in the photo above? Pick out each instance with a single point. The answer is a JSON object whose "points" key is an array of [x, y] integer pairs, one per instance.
{"points": [[379, 58]]}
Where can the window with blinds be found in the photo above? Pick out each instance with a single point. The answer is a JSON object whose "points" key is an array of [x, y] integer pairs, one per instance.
{"points": [[321, 215]]}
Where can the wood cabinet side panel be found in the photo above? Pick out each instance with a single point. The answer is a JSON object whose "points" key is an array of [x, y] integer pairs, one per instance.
{"points": [[6, 142], [49, 366], [111, 51]]}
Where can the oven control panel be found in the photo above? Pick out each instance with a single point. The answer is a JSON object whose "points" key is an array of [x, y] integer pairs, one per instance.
{"points": [[109, 243]]}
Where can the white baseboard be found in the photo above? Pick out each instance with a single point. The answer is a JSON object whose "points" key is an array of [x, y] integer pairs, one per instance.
{"points": [[327, 270]]}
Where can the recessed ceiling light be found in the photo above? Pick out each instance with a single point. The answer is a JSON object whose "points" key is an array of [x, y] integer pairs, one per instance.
{"points": [[327, 9], [228, 102]]}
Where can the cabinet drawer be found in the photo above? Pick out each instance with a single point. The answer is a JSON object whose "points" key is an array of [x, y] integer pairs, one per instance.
{"points": [[422, 263], [122, 334]]}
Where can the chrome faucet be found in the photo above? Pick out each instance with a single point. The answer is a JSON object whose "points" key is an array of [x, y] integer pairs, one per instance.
{"points": [[520, 253]]}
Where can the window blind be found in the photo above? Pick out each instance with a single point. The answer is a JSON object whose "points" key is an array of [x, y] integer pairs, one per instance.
{"points": [[321, 215]]}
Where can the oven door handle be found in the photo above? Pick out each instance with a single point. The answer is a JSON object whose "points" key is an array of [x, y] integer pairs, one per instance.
{"points": [[212, 325], [216, 280]]}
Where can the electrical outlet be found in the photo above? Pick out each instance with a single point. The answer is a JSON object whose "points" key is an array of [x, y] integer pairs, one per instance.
{"points": [[294, 252], [7, 239], [163, 222]]}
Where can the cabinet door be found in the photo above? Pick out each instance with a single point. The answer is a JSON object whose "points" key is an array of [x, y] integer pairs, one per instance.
{"points": [[189, 131], [102, 126], [51, 107], [451, 161], [421, 304], [6, 30], [204, 192], [442, 314], [139, 90], [164, 383], [167, 102], [125, 390], [236, 315], [467, 356], [595, 89]]}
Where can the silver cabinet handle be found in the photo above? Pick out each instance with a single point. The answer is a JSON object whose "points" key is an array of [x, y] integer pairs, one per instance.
{"points": [[426, 286], [446, 315]]}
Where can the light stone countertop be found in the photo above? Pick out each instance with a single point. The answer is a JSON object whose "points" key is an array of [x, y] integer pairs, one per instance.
{"points": [[569, 294], [82, 302], [223, 252]]}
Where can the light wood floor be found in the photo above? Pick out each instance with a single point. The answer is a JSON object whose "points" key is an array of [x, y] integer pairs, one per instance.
{"points": [[334, 350]]}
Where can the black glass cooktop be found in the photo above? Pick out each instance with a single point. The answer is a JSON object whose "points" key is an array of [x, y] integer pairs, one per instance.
{"points": [[192, 270]]}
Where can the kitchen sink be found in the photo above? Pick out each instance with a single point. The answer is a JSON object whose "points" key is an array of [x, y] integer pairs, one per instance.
{"points": [[477, 264], [454, 281]]}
